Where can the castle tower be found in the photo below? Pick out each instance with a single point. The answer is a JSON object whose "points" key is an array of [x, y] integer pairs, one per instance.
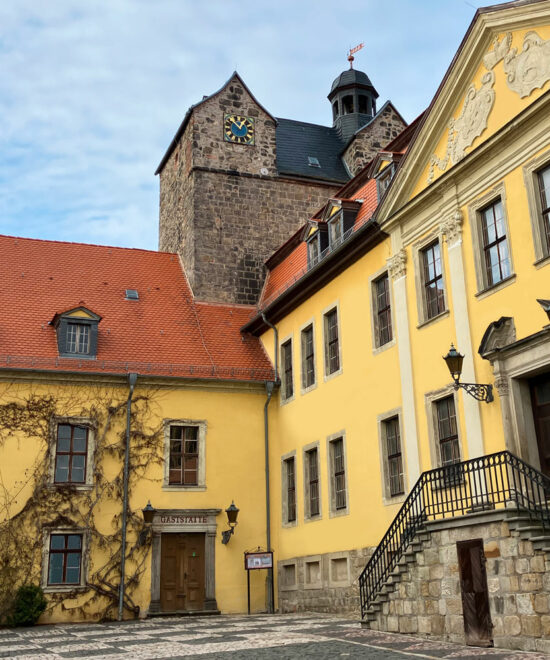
{"points": [[353, 99]]}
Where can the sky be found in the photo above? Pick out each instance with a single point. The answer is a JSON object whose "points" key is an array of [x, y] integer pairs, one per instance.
{"points": [[92, 91]]}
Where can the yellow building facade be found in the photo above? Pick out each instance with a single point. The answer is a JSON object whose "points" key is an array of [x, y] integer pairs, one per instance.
{"points": [[443, 237]]}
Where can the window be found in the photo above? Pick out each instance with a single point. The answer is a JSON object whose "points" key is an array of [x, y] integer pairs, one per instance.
{"points": [[347, 105], [184, 455], [543, 178], [308, 358], [336, 230], [382, 309], [536, 174], [289, 490], [363, 104], [384, 179], [434, 297], [495, 244], [332, 342], [317, 244], [311, 466], [71, 454], [77, 333], [394, 459], [447, 431], [337, 471], [287, 385], [64, 559]]}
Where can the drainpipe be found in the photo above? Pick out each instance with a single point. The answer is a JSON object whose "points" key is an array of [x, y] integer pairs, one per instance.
{"points": [[132, 379], [269, 387]]}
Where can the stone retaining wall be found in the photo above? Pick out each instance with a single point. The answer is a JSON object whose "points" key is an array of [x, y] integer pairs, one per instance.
{"points": [[427, 601]]}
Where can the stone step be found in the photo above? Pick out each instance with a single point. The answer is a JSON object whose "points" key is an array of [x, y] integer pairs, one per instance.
{"points": [[530, 530], [540, 542]]}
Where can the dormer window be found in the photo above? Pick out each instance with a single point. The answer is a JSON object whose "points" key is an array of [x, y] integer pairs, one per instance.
{"points": [[384, 179], [77, 333], [317, 244]]}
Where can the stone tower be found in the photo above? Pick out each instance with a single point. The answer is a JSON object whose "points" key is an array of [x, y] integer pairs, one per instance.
{"points": [[236, 183]]}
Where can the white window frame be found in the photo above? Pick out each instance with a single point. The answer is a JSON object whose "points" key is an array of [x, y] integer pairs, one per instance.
{"points": [[418, 261], [333, 511], [324, 314], [530, 176], [305, 462], [61, 588], [304, 326], [387, 498], [284, 489], [474, 214], [74, 421], [282, 399], [373, 279], [201, 472]]}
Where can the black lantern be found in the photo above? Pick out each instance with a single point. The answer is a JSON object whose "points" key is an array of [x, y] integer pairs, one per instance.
{"points": [[148, 513], [232, 512], [454, 360]]}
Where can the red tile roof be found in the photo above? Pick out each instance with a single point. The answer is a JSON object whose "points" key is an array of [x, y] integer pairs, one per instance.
{"points": [[165, 332]]}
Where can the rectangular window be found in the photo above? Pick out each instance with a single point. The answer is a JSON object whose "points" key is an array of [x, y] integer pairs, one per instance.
{"points": [[433, 280], [332, 346], [287, 386], [384, 332], [290, 475], [313, 251], [338, 473], [312, 467], [71, 454], [65, 559], [394, 459], [308, 358], [543, 177], [336, 230], [495, 244], [184, 455], [78, 338]]}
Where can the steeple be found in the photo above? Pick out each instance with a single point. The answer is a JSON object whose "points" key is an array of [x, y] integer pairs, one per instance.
{"points": [[353, 99]]}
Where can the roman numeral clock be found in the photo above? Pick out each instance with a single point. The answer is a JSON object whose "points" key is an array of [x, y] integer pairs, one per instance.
{"points": [[239, 130]]}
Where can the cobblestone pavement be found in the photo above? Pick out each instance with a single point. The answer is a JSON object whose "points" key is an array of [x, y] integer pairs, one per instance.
{"points": [[258, 637]]}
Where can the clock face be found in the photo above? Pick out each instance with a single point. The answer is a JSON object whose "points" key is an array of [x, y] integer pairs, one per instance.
{"points": [[239, 130]]}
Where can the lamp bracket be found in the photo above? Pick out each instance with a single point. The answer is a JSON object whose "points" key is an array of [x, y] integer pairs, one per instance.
{"points": [[226, 535], [481, 392]]}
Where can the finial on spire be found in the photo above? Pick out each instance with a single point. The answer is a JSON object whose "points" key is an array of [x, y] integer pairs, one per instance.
{"points": [[354, 50]]}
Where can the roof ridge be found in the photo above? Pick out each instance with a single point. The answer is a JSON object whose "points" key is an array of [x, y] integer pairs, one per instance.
{"points": [[308, 123], [58, 242]]}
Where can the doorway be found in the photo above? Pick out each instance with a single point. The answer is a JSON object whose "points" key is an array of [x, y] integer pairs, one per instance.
{"points": [[182, 574], [475, 595], [540, 400]]}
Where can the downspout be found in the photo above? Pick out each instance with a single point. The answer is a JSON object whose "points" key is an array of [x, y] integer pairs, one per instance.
{"points": [[132, 379], [269, 387]]}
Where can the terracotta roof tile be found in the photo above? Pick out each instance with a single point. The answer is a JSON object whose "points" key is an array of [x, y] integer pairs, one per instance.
{"points": [[163, 333]]}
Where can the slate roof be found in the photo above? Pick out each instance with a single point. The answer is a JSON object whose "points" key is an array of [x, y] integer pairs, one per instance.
{"points": [[351, 77], [164, 333], [296, 140]]}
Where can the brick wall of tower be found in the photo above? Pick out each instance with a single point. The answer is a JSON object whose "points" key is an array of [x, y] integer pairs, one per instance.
{"points": [[223, 207], [371, 139], [241, 220]]}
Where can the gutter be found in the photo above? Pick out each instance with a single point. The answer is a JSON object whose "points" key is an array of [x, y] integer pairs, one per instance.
{"points": [[132, 379]]}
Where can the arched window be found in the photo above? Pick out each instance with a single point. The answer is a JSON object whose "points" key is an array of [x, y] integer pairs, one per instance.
{"points": [[335, 110], [347, 105], [363, 104]]}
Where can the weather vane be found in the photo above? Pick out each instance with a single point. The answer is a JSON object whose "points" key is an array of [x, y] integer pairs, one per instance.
{"points": [[354, 50]]}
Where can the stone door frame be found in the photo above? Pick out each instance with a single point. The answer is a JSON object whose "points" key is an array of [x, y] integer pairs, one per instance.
{"points": [[174, 521], [513, 366]]}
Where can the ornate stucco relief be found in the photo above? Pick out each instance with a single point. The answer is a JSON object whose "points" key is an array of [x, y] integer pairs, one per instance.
{"points": [[499, 52], [397, 264], [469, 125], [531, 68], [451, 227]]}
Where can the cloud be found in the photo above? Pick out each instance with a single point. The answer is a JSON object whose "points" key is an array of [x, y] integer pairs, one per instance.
{"points": [[92, 92]]}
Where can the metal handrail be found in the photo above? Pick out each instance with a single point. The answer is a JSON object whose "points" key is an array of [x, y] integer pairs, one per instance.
{"points": [[489, 482]]}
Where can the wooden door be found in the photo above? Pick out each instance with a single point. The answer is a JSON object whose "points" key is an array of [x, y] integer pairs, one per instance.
{"points": [[540, 398], [475, 596], [182, 572]]}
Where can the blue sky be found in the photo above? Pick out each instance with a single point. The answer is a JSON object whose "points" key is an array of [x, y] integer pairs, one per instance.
{"points": [[92, 91]]}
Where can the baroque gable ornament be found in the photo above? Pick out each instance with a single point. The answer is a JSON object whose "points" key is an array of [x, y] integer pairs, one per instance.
{"points": [[531, 68], [468, 126], [397, 265]]}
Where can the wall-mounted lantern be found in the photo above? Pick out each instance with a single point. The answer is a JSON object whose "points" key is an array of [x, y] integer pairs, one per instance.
{"points": [[481, 392], [232, 513], [148, 516]]}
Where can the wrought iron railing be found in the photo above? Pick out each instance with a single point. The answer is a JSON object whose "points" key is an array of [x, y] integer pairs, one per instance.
{"points": [[495, 481]]}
